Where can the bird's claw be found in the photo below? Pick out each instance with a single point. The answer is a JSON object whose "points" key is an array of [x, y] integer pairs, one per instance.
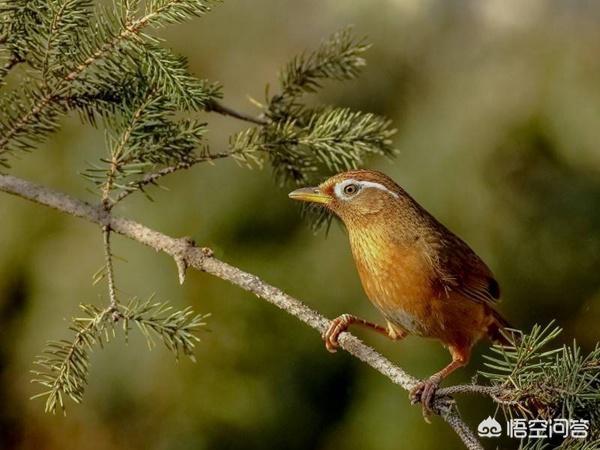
{"points": [[336, 327], [424, 393]]}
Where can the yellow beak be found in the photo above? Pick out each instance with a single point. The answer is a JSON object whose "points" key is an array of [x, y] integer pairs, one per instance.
{"points": [[309, 194]]}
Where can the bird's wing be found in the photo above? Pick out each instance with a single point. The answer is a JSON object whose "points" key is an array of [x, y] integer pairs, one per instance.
{"points": [[458, 269]]}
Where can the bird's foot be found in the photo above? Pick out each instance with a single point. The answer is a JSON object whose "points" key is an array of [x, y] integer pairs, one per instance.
{"points": [[337, 326], [424, 393]]}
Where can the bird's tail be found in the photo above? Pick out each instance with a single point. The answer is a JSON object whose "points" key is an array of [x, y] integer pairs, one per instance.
{"points": [[497, 329]]}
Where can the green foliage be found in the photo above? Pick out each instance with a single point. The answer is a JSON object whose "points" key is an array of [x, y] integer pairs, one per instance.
{"points": [[143, 137], [103, 65], [64, 365], [332, 140], [537, 382], [100, 62], [18, 22], [78, 59], [303, 143], [337, 58]]}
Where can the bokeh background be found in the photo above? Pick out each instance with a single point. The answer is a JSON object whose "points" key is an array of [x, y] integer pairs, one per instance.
{"points": [[497, 105]]}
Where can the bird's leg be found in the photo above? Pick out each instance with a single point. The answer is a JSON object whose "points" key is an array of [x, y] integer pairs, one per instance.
{"points": [[424, 391], [341, 324]]}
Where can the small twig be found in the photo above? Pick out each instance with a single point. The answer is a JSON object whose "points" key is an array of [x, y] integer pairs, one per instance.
{"points": [[152, 178], [57, 16], [491, 391], [24, 120], [116, 153], [110, 274], [203, 260], [227, 111]]}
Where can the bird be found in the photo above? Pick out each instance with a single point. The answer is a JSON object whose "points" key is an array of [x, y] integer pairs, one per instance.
{"points": [[422, 278]]}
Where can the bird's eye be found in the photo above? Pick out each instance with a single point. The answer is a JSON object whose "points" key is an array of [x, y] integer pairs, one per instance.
{"points": [[350, 189]]}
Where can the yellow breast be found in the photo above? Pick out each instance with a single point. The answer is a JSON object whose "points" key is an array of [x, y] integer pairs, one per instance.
{"points": [[396, 278]]}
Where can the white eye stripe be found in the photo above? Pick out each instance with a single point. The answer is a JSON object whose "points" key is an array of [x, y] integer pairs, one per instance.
{"points": [[339, 188], [379, 186]]}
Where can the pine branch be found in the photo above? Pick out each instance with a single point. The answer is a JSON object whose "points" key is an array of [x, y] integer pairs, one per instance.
{"points": [[158, 14], [110, 273], [176, 329], [332, 140], [337, 58], [64, 365], [302, 143], [147, 138], [40, 119], [20, 23], [536, 382], [65, 19], [117, 47], [168, 74], [153, 177], [219, 108], [119, 156]]}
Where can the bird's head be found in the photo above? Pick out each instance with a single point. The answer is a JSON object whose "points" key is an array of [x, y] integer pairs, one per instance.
{"points": [[356, 195]]}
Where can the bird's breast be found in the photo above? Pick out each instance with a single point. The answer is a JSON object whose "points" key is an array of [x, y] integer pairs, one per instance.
{"points": [[396, 278]]}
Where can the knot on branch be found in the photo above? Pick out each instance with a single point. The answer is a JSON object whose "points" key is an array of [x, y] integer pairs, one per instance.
{"points": [[443, 405], [115, 314], [207, 252], [188, 250], [104, 218], [181, 256]]}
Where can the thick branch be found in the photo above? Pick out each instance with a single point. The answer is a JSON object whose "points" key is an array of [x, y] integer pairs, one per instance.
{"points": [[202, 259]]}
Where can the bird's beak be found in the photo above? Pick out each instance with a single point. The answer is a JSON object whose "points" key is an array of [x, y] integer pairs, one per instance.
{"points": [[309, 194]]}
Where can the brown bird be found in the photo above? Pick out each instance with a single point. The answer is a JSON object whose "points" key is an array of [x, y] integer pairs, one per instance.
{"points": [[424, 279]]}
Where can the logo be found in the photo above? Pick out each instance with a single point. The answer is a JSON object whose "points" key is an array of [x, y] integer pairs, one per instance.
{"points": [[489, 427], [535, 428]]}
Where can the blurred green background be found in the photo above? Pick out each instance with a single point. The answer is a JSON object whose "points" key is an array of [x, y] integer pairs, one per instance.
{"points": [[497, 105]]}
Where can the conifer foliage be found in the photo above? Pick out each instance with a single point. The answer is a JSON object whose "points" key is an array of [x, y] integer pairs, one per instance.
{"points": [[103, 62], [541, 383]]}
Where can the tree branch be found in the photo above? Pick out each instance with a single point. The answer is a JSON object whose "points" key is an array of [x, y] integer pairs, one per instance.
{"points": [[491, 391], [227, 111], [110, 273], [152, 178], [202, 259]]}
